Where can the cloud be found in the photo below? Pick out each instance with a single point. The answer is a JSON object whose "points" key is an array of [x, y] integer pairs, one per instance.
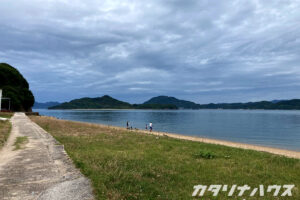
{"points": [[206, 51]]}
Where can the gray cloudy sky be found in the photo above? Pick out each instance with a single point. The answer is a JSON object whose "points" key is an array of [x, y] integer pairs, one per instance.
{"points": [[200, 50]]}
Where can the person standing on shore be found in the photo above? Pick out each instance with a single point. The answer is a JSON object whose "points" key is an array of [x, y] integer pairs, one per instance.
{"points": [[150, 126], [146, 126], [127, 124]]}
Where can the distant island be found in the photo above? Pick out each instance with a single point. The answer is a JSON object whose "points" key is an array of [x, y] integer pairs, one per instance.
{"points": [[166, 102], [38, 105], [107, 102], [293, 104]]}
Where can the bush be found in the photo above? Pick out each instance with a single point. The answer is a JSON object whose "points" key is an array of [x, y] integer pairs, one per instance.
{"points": [[205, 154]]}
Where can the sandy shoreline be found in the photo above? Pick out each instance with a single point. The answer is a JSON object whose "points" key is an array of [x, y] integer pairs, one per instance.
{"points": [[283, 152], [277, 151]]}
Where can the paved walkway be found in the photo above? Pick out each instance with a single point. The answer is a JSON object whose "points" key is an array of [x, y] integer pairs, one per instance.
{"points": [[41, 169]]}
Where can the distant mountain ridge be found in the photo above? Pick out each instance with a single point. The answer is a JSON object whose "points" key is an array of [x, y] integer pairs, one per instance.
{"points": [[38, 105], [107, 102], [293, 104], [104, 102], [166, 100], [277, 100]]}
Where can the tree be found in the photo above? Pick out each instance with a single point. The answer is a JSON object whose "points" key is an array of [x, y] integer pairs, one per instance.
{"points": [[15, 87]]}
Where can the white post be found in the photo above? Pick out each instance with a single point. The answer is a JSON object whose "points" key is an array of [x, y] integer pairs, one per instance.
{"points": [[0, 98]]}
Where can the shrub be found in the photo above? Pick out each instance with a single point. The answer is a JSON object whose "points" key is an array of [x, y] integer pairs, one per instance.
{"points": [[205, 154]]}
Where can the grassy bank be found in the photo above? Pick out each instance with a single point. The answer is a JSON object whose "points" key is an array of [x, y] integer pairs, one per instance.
{"points": [[131, 165], [6, 114], [5, 128]]}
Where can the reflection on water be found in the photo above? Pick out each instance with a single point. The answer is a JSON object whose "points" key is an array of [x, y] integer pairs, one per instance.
{"points": [[279, 129]]}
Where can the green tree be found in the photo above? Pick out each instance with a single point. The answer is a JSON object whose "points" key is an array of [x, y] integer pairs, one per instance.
{"points": [[15, 87]]}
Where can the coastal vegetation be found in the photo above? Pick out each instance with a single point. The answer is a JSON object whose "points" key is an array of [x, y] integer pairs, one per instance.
{"points": [[126, 164], [15, 87]]}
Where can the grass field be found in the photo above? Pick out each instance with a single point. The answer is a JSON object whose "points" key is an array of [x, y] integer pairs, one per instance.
{"points": [[5, 128], [6, 114], [131, 165]]}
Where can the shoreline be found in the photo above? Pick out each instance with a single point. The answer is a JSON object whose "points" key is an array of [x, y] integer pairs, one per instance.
{"points": [[272, 150], [171, 109]]}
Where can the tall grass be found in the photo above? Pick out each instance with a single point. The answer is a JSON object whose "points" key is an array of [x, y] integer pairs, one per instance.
{"points": [[5, 128]]}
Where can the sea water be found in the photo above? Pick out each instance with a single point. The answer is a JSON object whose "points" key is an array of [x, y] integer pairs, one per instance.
{"points": [[280, 129]]}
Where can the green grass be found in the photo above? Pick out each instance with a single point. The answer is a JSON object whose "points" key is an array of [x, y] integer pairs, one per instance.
{"points": [[131, 165], [20, 142], [5, 128], [205, 154], [6, 114]]}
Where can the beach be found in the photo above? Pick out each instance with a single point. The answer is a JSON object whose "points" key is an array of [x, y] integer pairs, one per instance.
{"points": [[282, 152]]}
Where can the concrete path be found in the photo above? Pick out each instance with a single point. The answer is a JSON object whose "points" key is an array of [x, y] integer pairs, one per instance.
{"points": [[41, 169]]}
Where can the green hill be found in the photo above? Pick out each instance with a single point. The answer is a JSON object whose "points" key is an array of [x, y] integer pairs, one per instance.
{"points": [[15, 87], [155, 106], [105, 102], [293, 104], [165, 100], [38, 105]]}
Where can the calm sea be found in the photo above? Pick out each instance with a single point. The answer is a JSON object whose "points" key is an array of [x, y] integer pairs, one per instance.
{"points": [[280, 129]]}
